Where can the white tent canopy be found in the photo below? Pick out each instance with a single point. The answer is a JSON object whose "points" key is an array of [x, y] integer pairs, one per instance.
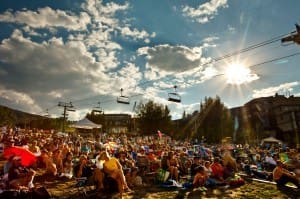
{"points": [[271, 140], [86, 124]]}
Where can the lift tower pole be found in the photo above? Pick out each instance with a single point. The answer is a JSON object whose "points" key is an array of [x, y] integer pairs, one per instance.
{"points": [[68, 106]]}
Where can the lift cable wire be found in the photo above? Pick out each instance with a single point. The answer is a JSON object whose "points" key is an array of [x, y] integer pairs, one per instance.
{"points": [[252, 47]]}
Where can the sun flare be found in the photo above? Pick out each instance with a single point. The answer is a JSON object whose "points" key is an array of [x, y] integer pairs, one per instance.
{"points": [[238, 74]]}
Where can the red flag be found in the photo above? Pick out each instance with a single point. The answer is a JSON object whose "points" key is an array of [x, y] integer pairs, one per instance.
{"points": [[27, 157]]}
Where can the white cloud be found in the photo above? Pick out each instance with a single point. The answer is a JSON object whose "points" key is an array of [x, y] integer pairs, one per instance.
{"points": [[78, 114], [19, 98], [266, 92], [30, 31], [136, 34], [47, 17], [60, 69], [172, 58], [231, 29], [210, 39], [204, 12]]}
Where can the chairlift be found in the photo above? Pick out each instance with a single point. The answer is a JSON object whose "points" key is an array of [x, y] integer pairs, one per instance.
{"points": [[97, 109], [174, 97], [47, 113], [122, 99], [71, 107], [294, 37]]}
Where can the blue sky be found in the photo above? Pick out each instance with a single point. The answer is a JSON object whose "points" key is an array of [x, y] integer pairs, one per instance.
{"points": [[86, 51]]}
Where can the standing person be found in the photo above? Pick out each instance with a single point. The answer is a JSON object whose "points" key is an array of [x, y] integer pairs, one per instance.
{"points": [[282, 176], [113, 168]]}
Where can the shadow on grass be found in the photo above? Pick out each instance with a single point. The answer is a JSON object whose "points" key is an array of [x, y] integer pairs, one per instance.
{"points": [[290, 192]]}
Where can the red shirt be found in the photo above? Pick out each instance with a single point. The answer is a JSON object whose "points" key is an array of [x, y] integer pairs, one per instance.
{"points": [[217, 170]]}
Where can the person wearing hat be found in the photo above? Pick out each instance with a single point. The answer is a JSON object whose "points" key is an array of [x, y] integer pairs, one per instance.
{"points": [[282, 176]]}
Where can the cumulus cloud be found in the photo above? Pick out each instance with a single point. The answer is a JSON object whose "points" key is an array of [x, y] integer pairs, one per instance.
{"points": [[172, 58], [204, 12], [83, 64], [270, 91], [136, 34], [47, 17], [103, 21], [127, 78], [52, 67], [21, 99]]}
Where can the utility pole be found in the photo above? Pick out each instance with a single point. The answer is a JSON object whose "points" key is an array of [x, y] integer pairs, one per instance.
{"points": [[68, 106]]}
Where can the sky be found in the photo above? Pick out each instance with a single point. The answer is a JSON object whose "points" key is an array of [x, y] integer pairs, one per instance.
{"points": [[86, 51]]}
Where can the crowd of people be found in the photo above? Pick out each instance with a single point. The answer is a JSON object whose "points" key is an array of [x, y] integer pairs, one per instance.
{"points": [[131, 161]]}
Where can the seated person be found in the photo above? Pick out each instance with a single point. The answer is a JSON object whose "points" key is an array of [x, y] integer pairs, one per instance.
{"points": [[34, 148], [67, 170], [135, 179], [173, 165], [49, 165], [57, 160], [19, 176], [184, 163], [113, 168], [82, 169], [217, 170], [124, 161], [200, 177], [196, 163], [210, 181], [282, 176], [85, 149], [142, 161]]}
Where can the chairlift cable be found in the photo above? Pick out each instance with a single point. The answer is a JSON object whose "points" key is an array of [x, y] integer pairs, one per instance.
{"points": [[252, 47], [258, 64]]}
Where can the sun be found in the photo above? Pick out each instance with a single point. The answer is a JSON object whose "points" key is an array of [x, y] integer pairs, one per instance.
{"points": [[238, 73]]}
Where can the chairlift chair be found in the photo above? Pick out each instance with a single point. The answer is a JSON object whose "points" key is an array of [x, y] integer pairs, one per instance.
{"points": [[97, 109], [123, 99], [174, 97], [294, 36], [47, 113]]}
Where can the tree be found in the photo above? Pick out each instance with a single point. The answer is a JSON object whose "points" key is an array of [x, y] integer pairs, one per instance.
{"points": [[152, 117], [217, 122], [7, 117], [213, 122]]}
